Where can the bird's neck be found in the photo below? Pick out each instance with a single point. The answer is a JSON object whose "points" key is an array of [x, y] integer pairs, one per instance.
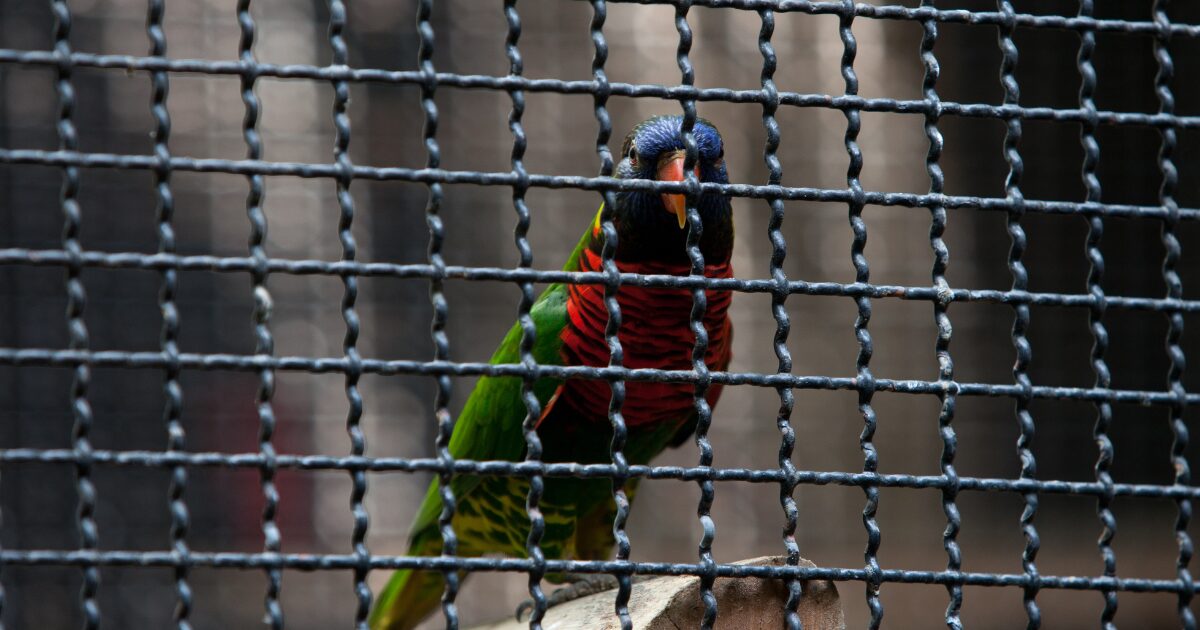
{"points": [[653, 235]]}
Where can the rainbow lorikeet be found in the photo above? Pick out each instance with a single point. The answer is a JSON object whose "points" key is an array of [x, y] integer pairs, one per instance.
{"points": [[574, 425]]}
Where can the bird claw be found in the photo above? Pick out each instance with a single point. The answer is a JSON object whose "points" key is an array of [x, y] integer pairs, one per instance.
{"points": [[523, 608], [577, 586]]}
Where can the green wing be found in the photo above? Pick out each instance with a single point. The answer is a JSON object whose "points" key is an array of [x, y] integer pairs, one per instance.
{"points": [[489, 428]]}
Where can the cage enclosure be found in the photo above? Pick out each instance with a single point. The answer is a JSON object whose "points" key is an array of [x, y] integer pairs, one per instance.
{"points": [[966, 257]]}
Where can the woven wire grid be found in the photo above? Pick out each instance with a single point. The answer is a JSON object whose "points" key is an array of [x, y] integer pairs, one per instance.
{"points": [[265, 364]]}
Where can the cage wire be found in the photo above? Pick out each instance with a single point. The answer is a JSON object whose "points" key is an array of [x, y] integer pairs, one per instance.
{"points": [[92, 369]]}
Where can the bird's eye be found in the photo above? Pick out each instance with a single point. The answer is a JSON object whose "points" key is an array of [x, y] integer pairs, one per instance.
{"points": [[633, 156]]}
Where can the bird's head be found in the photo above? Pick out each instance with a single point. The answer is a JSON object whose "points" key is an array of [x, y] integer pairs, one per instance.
{"points": [[654, 226]]}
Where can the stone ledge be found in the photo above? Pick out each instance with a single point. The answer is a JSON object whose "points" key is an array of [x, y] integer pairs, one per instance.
{"points": [[673, 603]]}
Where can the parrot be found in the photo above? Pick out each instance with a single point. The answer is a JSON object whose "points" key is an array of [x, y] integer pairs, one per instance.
{"points": [[574, 426]]}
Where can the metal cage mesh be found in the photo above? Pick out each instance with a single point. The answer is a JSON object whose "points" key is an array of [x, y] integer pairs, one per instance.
{"points": [[1172, 399]]}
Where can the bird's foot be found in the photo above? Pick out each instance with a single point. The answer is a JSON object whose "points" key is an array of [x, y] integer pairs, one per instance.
{"points": [[577, 585]]}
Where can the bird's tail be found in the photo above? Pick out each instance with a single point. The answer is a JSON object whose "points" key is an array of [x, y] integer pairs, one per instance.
{"points": [[410, 595]]}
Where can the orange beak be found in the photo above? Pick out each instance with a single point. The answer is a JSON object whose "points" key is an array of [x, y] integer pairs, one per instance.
{"points": [[670, 169]]}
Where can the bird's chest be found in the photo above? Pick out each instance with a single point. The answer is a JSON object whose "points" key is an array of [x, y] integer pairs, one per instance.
{"points": [[655, 333]]}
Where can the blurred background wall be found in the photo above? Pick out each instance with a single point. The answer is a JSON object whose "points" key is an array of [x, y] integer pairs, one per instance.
{"points": [[113, 115]]}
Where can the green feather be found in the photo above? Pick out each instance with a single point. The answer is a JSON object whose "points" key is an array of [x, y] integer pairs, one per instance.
{"points": [[489, 428]]}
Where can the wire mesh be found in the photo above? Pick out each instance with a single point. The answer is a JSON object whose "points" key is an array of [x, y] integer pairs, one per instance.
{"points": [[949, 389]]}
